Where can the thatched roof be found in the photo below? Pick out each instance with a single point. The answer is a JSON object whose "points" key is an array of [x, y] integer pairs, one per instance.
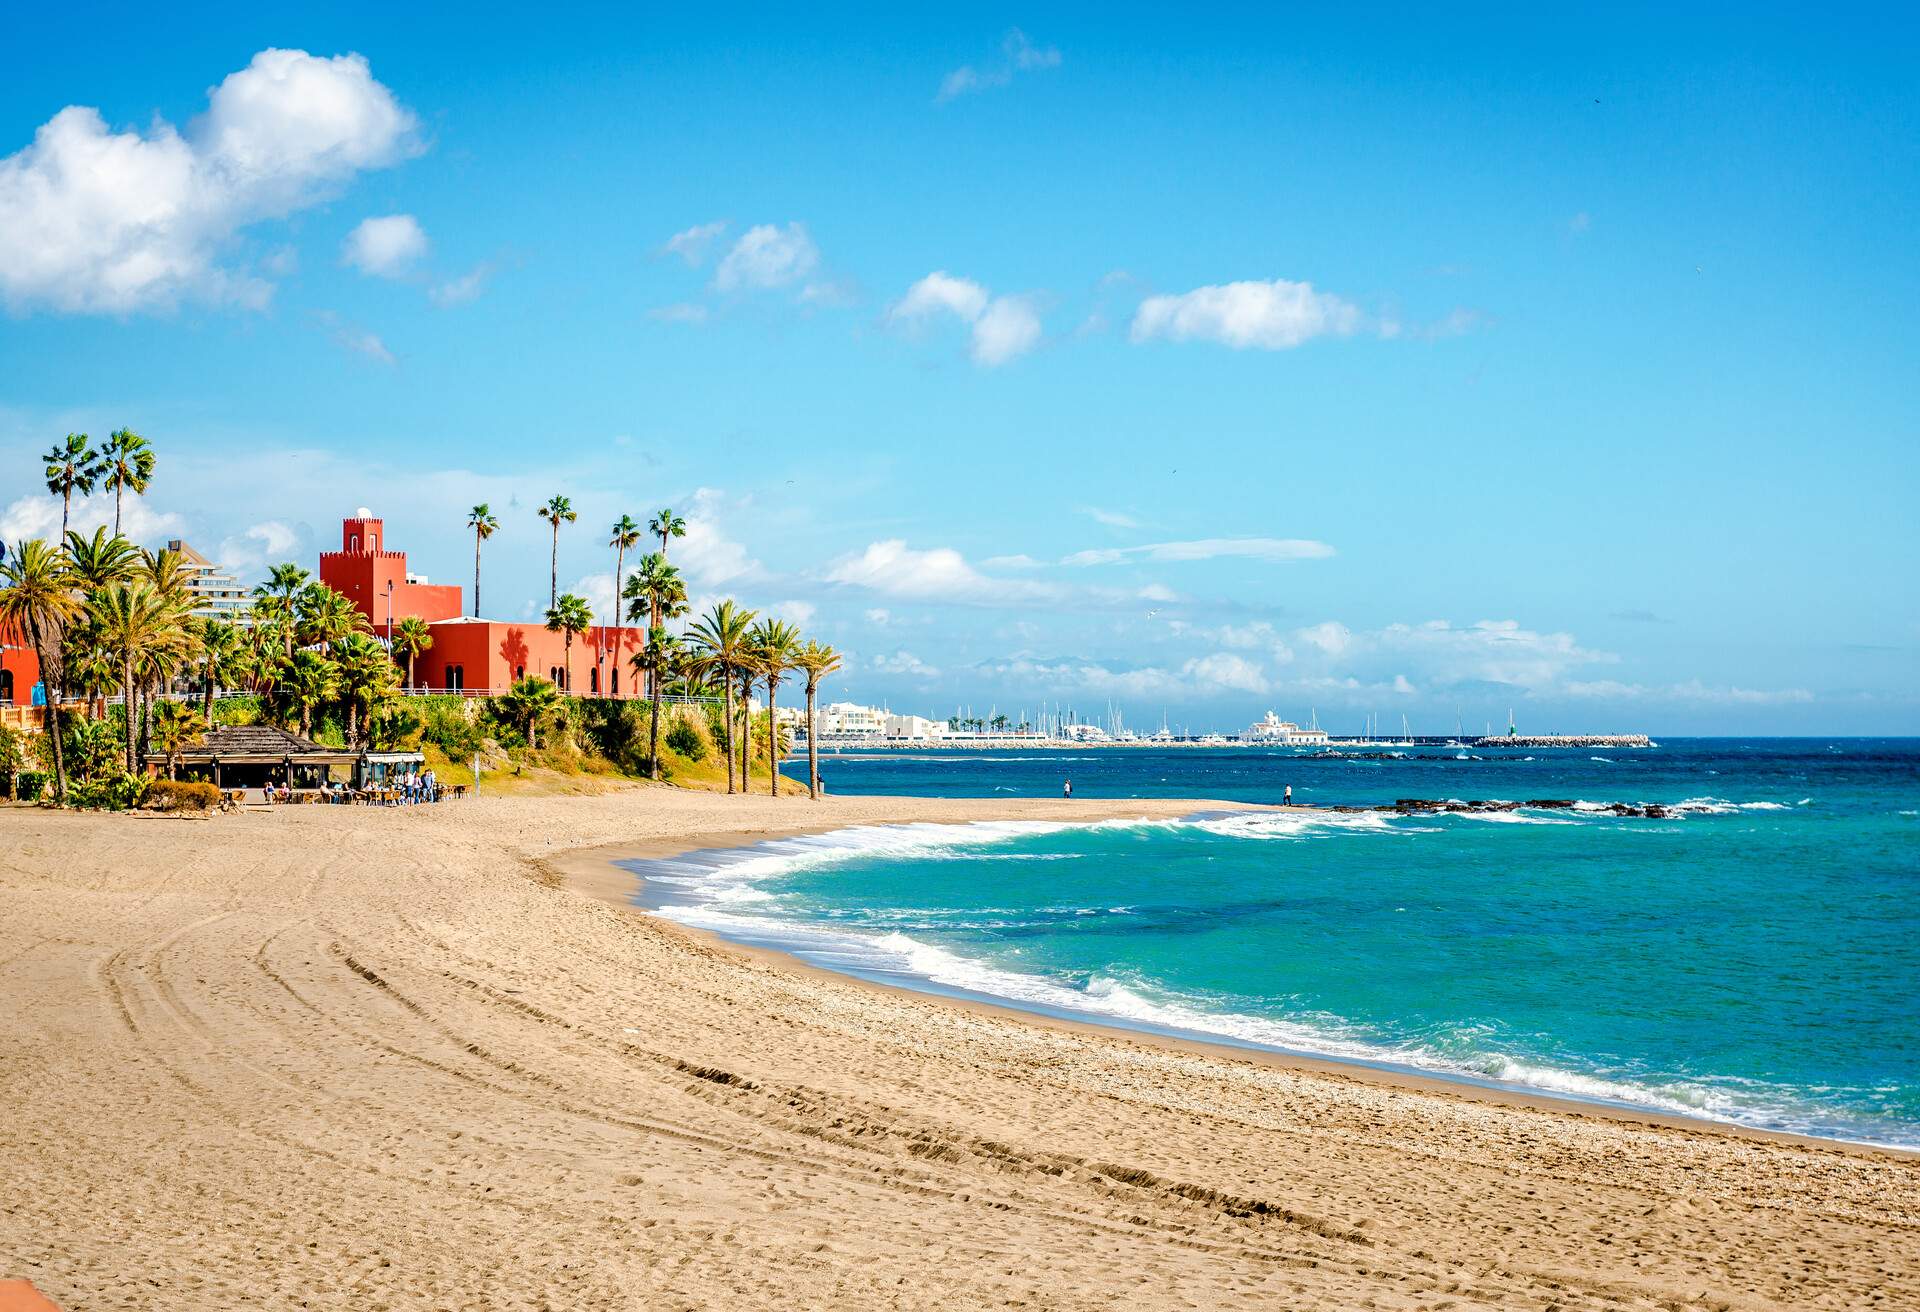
{"points": [[257, 742]]}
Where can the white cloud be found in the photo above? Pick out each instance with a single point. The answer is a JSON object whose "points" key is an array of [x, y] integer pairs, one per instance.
{"points": [[1693, 692], [904, 662], [707, 555], [598, 590], [1273, 316], [794, 611], [1017, 55], [894, 569], [38, 516], [268, 541], [1110, 518], [879, 616], [1226, 671], [680, 312], [1010, 327], [104, 222], [692, 244], [767, 257], [459, 291], [1330, 637], [940, 290], [1003, 327], [1019, 560], [386, 246], [352, 338], [1272, 550]]}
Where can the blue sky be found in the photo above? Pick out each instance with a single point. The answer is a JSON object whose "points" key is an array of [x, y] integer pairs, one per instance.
{"points": [[1346, 363]]}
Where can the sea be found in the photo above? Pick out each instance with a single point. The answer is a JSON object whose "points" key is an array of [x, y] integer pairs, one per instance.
{"points": [[1751, 958]]}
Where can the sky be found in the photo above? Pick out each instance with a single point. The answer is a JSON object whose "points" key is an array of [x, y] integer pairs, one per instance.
{"points": [[1344, 364]]}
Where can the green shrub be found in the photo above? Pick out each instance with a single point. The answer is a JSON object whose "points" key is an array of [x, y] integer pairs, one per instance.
{"points": [[685, 739], [169, 795], [32, 784], [449, 729], [114, 792]]}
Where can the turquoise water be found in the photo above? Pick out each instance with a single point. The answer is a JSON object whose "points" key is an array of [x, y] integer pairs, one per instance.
{"points": [[1754, 959]]}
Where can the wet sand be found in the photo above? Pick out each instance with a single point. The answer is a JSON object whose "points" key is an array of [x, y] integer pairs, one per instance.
{"points": [[346, 1058]]}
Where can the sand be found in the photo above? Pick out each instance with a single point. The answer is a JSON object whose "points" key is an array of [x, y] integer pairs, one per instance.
{"points": [[340, 1058]]}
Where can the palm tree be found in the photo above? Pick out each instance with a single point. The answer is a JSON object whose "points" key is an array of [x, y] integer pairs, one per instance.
{"points": [[92, 664], [818, 660], [222, 657], [309, 681], [134, 618], [367, 677], [659, 661], [571, 616], [527, 703], [39, 601], [412, 636], [128, 464], [774, 644], [557, 512], [482, 522], [174, 728], [721, 637], [274, 598], [656, 593], [101, 561], [324, 616], [72, 466], [626, 534], [667, 525]]}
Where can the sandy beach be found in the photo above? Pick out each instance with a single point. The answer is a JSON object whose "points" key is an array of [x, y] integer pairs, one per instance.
{"points": [[346, 1058]]}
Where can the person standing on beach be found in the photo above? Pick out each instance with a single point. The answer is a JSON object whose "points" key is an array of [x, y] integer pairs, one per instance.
{"points": [[1068, 793], [1288, 800]]}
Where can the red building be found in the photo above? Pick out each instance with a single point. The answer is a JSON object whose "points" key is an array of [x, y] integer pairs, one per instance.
{"points": [[376, 580], [19, 669], [469, 654]]}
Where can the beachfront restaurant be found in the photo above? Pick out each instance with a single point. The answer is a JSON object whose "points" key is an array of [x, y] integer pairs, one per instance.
{"points": [[384, 769], [255, 757]]}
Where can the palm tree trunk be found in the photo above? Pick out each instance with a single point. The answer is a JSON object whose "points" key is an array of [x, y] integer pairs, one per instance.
{"points": [[127, 699], [66, 510], [208, 709], [773, 743], [726, 685], [553, 587], [50, 722], [813, 748], [118, 488], [353, 722], [411, 685], [619, 620], [746, 734], [476, 572], [653, 736], [569, 662]]}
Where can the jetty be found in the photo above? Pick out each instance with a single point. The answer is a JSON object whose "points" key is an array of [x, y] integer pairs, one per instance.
{"points": [[1565, 740]]}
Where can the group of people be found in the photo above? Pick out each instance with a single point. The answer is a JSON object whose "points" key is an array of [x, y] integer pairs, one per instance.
{"points": [[414, 787]]}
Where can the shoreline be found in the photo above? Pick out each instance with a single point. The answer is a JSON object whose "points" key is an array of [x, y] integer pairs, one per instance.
{"points": [[599, 873]]}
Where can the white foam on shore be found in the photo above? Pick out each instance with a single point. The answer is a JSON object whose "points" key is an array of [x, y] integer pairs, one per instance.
{"points": [[719, 891]]}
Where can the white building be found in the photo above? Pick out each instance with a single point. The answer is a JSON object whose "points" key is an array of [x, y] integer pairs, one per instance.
{"points": [[914, 728], [1273, 731]]}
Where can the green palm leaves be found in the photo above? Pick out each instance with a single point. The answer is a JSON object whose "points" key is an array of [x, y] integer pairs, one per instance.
{"points": [[570, 615], [127, 462], [72, 466]]}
